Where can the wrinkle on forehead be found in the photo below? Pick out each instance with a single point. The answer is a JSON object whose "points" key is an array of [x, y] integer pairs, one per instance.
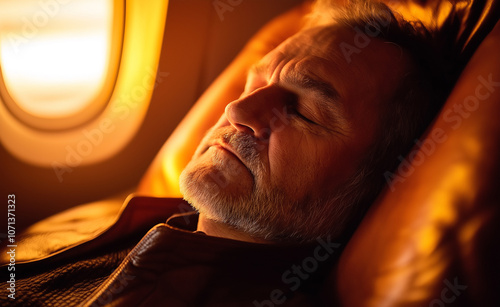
{"points": [[364, 83], [318, 51]]}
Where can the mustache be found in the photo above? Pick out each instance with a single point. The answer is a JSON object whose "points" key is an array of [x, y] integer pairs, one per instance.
{"points": [[244, 145]]}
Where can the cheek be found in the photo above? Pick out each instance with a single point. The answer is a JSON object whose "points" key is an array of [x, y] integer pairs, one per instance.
{"points": [[310, 167], [295, 163], [328, 168]]}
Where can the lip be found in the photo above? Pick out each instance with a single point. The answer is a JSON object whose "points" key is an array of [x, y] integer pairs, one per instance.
{"points": [[226, 147], [221, 145]]}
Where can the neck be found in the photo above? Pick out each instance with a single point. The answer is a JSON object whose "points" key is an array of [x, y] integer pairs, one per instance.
{"points": [[221, 230]]}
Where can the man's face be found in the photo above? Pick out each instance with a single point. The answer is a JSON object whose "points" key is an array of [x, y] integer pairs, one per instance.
{"points": [[297, 133]]}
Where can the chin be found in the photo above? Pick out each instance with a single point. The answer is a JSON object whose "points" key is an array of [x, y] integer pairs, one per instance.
{"points": [[203, 184]]}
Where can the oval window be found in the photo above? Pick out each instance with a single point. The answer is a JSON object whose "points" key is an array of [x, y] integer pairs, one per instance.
{"points": [[56, 60]]}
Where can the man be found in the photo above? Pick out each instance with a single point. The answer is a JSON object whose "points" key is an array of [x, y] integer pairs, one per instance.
{"points": [[288, 160], [293, 163]]}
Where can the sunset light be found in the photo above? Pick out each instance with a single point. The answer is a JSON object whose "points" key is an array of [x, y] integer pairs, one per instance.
{"points": [[54, 58]]}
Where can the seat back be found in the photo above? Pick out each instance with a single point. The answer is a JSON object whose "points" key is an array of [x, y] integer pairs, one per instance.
{"points": [[432, 237]]}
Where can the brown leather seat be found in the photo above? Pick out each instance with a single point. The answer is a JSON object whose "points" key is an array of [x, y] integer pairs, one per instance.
{"points": [[432, 238]]}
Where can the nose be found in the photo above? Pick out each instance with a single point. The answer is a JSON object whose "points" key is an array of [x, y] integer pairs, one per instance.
{"points": [[258, 113]]}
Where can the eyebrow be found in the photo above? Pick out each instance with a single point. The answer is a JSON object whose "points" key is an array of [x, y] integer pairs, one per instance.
{"points": [[330, 97], [302, 80], [305, 81]]}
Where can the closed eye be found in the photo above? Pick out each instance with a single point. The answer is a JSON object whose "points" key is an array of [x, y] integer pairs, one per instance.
{"points": [[305, 118], [299, 109]]}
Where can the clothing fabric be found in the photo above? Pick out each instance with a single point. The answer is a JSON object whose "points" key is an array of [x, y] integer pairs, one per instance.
{"points": [[173, 265]]}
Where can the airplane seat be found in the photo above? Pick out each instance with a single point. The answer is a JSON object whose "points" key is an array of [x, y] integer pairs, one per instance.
{"points": [[431, 237]]}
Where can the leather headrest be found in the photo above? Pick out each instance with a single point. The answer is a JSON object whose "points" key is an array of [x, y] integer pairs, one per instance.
{"points": [[432, 237], [461, 24]]}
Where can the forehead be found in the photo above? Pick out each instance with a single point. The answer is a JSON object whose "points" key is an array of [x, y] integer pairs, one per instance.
{"points": [[333, 53]]}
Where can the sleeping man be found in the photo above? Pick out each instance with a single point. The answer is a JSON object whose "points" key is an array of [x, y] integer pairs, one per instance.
{"points": [[278, 184], [302, 151]]}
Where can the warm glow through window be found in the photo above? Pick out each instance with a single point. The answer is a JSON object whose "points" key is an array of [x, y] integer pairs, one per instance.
{"points": [[76, 77], [54, 55]]}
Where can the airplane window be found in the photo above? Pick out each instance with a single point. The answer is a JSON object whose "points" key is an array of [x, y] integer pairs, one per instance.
{"points": [[54, 57], [76, 77]]}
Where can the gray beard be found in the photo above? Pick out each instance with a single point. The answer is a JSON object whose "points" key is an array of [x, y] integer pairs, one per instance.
{"points": [[266, 212]]}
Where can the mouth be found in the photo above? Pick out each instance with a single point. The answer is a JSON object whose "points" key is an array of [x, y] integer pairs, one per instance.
{"points": [[229, 150]]}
